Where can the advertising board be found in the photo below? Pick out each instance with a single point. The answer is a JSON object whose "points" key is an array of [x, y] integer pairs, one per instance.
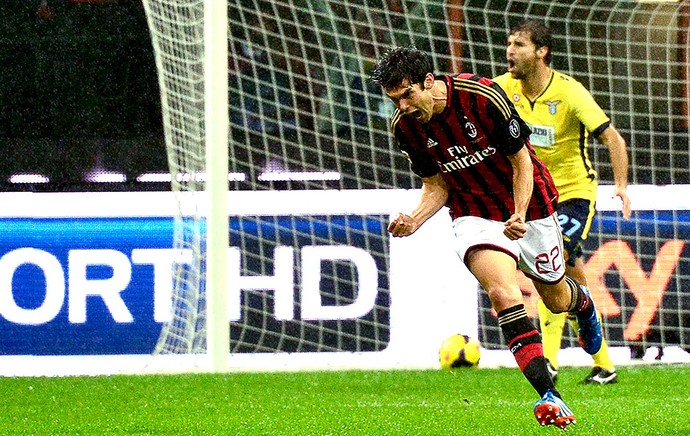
{"points": [[85, 280]]}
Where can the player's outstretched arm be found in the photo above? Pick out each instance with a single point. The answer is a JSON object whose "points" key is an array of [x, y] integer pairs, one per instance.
{"points": [[619, 162], [523, 183], [433, 198]]}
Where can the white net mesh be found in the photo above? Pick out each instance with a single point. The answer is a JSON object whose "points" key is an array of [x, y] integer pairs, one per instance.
{"points": [[177, 36], [303, 115]]}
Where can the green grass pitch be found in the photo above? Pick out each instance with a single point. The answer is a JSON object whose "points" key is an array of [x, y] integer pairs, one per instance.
{"points": [[648, 400]]}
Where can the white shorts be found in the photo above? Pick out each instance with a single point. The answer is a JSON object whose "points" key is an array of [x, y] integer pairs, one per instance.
{"points": [[539, 254]]}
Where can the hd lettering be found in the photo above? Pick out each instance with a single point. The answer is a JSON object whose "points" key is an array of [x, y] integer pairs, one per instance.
{"points": [[55, 285]]}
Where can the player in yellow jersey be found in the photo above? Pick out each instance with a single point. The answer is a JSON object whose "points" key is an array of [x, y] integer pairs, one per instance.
{"points": [[563, 115]]}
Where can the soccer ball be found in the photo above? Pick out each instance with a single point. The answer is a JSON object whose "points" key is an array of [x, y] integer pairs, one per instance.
{"points": [[459, 351]]}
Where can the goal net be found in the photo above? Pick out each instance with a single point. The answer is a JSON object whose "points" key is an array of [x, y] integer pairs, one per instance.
{"points": [[304, 116], [177, 35]]}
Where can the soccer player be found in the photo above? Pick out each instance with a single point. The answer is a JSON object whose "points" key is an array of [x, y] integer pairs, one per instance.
{"points": [[467, 143], [562, 115]]}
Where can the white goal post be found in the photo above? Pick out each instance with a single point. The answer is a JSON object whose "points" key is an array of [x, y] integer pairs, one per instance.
{"points": [[301, 114], [217, 131]]}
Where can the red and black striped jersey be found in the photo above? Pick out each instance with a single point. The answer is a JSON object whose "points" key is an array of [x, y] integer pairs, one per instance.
{"points": [[469, 143]]}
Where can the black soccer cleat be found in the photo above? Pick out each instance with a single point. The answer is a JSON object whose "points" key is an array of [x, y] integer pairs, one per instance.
{"points": [[600, 376]]}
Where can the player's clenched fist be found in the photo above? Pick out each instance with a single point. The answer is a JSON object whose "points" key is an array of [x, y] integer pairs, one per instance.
{"points": [[515, 227], [403, 225]]}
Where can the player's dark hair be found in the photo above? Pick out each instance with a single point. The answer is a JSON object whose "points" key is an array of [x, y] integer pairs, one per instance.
{"points": [[402, 63], [540, 35]]}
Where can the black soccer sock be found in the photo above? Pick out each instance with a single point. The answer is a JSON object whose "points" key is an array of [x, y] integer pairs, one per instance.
{"points": [[580, 303], [524, 341]]}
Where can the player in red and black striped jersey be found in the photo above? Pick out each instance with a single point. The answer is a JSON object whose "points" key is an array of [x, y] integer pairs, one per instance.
{"points": [[466, 141], [470, 141]]}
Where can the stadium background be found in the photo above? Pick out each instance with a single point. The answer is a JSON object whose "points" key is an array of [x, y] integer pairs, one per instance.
{"points": [[80, 91]]}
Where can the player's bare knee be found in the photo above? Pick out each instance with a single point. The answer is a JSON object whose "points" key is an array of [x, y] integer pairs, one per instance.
{"points": [[504, 296]]}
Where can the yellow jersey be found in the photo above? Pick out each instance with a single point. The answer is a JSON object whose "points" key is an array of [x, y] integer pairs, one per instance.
{"points": [[561, 119]]}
